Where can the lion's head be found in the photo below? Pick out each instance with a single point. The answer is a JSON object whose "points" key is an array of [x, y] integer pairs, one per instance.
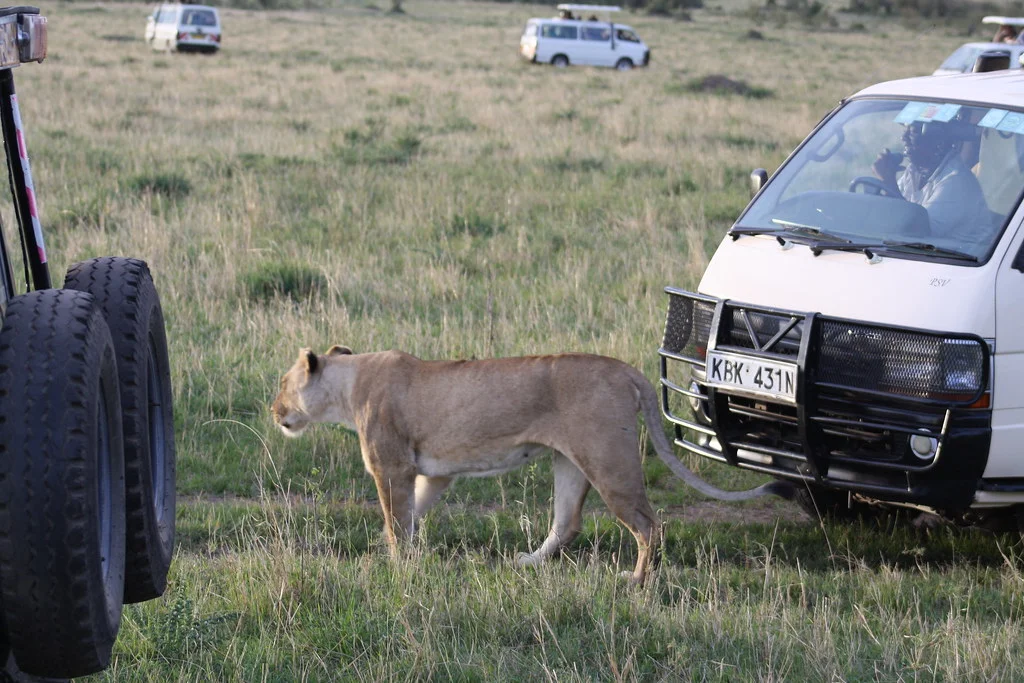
{"points": [[303, 396]]}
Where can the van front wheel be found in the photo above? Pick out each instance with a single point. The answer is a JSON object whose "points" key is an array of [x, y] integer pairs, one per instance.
{"points": [[560, 61], [624, 64]]}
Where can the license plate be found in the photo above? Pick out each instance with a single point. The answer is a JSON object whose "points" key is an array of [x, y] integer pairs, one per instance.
{"points": [[753, 376]]}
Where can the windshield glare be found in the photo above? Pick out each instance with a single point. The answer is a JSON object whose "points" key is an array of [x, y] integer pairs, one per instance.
{"points": [[888, 171]]}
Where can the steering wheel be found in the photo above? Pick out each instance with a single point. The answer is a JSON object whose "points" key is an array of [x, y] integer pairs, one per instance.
{"points": [[872, 185]]}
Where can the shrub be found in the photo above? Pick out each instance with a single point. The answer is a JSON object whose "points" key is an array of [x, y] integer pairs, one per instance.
{"points": [[170, 185], [290, 280], [717, 84], [475, 225]]}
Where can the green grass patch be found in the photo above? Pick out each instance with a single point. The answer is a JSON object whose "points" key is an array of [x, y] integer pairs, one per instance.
{"points": [[294, 281], [169, 185]]}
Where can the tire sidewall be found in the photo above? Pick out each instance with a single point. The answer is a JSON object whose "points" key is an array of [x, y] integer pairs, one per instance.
{"points": [[62, 557], [131, 305]]}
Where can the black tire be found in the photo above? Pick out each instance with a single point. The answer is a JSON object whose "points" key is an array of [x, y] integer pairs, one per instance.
{"points": [[624, 64], [61, 484], [125, 292], [560, 61]]}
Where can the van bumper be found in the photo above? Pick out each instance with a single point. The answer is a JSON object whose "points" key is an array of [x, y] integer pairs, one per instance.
{"points": [[647, 57], [839, 434]]}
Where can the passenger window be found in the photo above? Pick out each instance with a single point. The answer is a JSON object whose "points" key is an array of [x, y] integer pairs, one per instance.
{"points": [[627, 35], [596, 33], [559, 31], [1000, 169]]}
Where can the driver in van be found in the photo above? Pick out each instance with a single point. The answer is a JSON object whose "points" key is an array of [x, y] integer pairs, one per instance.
{"points": [[937, 178]]}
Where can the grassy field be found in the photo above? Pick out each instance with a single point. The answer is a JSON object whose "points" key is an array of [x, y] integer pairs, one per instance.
{"points": [[404, 181]]}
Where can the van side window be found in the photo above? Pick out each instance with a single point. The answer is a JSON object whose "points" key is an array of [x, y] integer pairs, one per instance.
{"points": [[559, 31], [626, 35], [596, 33]]}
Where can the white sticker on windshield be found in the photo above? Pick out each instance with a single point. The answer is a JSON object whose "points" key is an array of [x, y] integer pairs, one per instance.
{"points": [[992, 118], [946, 112], [1011, 123], [929, 112], [910, 112]]}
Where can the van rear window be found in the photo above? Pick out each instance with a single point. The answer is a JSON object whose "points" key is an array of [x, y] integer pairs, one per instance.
{"points": [[559, 31], [199, 17]]}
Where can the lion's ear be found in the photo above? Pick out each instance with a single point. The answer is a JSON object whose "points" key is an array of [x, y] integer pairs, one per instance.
{"points": [[339, 351], [307, 357]]}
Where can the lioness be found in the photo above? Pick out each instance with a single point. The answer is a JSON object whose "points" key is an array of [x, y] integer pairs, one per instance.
{"points": [[422, 423]]}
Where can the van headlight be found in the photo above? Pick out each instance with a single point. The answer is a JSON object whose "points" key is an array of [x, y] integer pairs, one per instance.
{"points": [[904, 362], [688, 326]]}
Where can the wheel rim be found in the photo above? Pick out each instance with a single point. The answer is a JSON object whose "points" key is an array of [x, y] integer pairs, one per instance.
{"points": [[157, 442], [104, 504]]}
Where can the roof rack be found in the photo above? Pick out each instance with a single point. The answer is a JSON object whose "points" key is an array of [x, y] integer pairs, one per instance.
{"points": [[591, 8], [1004, 21]]}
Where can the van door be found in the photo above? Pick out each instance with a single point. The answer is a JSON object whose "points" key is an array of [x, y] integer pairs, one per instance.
{"points": [[559, 38], [1006, 455], [596, 45], [150, 32], [627, 44], [166, 32]]}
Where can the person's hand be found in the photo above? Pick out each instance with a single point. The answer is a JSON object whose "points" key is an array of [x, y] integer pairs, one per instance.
{"points": [[887, 165]]}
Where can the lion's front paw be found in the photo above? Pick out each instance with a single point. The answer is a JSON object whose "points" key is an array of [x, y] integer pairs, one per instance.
{"points": [[527, 559], [632, 577]]}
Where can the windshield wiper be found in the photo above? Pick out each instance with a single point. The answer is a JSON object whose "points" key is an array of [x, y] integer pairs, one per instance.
{"points": [[817, 240], [822, 238], [931, 249], [790, 229], [738, 230]]}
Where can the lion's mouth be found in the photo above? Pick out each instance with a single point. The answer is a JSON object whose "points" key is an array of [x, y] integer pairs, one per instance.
{"points": [[292, 428]]}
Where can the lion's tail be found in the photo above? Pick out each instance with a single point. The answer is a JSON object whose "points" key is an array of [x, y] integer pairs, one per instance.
{"points": [[651, 411]]}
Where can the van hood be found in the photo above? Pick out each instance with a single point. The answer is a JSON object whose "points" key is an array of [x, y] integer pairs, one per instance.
{"points": [[893, 291]]}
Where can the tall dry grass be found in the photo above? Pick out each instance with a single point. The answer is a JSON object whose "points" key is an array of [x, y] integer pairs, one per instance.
{"points": [[404, 181]]}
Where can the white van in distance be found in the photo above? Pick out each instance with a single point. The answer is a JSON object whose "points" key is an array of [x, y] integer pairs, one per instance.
{"points": [[860, 330], [184, 28], [578, 37]]}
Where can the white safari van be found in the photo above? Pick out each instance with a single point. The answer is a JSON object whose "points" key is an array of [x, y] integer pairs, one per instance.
{"points": [[860, 329], [578, 35], [185, 28]]}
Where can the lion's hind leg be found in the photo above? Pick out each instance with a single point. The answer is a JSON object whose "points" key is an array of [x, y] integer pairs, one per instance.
{"points": [[619, 478], [639, 517], [571, 487]]}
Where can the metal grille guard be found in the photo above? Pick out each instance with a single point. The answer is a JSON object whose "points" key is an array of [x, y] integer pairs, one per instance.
{"points": [[834, 425]]}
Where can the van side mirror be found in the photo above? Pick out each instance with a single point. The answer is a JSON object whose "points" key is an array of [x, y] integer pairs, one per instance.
{"points": [[758, 178]]}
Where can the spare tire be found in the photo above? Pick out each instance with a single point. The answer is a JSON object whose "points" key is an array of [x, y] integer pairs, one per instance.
{"points": [[61, 484], [125, 292]]}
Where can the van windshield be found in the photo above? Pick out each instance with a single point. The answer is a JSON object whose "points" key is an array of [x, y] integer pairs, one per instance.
{"points": [[911, 178]]}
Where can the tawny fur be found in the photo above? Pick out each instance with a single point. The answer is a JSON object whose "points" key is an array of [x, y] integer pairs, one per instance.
{"points": [[422, 423]]}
